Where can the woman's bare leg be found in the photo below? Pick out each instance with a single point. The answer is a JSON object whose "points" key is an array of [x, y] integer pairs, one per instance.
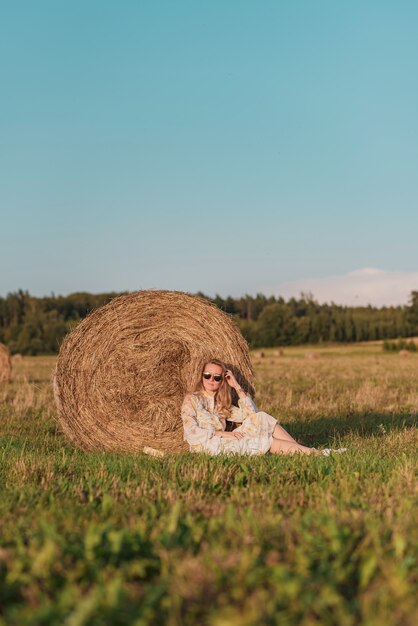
{"points": [[280, 433], [284, 446]]}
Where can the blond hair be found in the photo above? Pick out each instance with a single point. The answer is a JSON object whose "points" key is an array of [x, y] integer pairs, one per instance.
{"points": [[223, 397]]}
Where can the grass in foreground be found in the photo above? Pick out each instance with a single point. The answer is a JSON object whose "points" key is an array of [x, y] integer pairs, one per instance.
{"points": [[109, 539]]}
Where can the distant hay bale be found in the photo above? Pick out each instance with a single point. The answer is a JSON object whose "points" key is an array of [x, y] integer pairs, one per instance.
{"points": [[313, 356], [279, 353], [5, 364], [16, 358], [404, 353], [122, 373], [259, 355]]}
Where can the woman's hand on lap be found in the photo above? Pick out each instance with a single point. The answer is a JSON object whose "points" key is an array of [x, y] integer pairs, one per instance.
{"points": [[227, 435]]}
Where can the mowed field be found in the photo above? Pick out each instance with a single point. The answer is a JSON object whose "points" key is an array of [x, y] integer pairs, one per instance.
{"points": [[94, 538]]}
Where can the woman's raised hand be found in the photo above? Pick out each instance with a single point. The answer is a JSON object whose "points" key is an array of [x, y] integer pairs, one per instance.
{"points": [[231, 380]]}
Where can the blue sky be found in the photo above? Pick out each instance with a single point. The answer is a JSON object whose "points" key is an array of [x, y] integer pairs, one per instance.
{"points": [[227, 147]]}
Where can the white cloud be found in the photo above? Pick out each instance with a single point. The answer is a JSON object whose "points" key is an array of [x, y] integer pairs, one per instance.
{"points": [[358, 288]]}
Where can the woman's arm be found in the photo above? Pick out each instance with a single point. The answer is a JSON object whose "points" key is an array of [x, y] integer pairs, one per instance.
{"points": [[234, 384], [245, 402], [236, 416], [247, 405], [242, 395]]}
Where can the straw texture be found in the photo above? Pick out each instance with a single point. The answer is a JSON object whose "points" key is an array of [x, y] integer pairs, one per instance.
{"points": [[122, 373], [5, 364]]}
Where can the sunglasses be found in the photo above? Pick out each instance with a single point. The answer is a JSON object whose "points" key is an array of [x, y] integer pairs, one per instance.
{"points": [[216, 377]]}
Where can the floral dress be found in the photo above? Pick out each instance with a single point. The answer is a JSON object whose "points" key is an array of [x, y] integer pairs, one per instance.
{"points": [[200, 421]]}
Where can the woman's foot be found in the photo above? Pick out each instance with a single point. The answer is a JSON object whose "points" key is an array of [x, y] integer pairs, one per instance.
{"points": [[329, 451]]}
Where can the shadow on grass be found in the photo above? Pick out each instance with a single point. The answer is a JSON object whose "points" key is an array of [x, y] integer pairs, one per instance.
{"points": [[324, 430]]}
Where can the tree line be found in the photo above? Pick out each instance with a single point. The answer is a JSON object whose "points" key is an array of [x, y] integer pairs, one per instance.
{"points": [[33, 325]]}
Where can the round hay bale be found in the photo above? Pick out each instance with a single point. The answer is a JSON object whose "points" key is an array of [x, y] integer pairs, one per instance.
{"points": [[5, 364], [404, 353], [279, 353], [16, 358], [313, 356], [122, 373]]}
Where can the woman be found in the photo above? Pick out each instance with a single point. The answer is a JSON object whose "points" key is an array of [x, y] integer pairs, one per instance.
{"points": [[205, 412]]}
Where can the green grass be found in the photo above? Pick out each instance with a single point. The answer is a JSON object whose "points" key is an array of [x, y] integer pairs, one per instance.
{"points": [[94, 538]]}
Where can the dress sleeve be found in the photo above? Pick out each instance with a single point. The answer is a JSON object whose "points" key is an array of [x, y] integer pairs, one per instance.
{"points": [[245, 410], [193, 433], [236, 415], [247, 406]]}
